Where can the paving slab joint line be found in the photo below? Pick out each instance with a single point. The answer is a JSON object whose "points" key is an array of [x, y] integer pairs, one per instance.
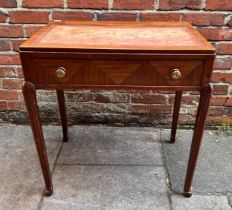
{"points": [[170, 193], [159, 136], [126, 165], [210, 193], [52, 171], [165, 165], [169, 190], [228, 199]]}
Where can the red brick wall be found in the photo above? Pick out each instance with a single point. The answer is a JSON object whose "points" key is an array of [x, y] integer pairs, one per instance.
{"points": [[19, 19]]}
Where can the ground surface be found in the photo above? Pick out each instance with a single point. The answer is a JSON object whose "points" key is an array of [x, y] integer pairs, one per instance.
{"points": [[106, 168]]}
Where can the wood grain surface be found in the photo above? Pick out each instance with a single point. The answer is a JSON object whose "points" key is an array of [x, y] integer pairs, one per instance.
{"points": [[156, 36]]}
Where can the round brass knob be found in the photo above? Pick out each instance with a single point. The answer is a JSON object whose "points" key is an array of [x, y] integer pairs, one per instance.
{"points": [[175, 74], [60, 72]]}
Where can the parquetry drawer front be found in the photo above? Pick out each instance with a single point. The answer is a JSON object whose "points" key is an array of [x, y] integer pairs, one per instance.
{"points": [[188, 72], [164, 72], [153, 73], [49, 71]]}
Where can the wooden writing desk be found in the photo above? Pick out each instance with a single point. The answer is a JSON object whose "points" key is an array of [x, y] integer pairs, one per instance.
{"points": [[117, 55]]}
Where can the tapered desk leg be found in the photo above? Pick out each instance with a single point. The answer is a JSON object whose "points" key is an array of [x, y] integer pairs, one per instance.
{"points": [[203, 106], [29, 93], [175, 116], [63, 115]]}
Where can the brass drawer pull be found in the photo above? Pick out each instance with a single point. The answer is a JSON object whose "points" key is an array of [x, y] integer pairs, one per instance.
{"points": [[60, 72], [175, 74]]}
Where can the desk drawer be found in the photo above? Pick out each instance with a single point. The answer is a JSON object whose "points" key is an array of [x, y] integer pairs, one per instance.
{"points": [[162, 72], [152, 73], [50, 71]]}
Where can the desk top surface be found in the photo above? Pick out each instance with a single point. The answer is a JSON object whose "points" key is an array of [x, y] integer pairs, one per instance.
{"points": [[179, 37]]}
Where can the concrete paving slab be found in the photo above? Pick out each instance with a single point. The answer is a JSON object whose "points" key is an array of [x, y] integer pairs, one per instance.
{"points": [[214, 167], [21, 177], [6, 131], [111, 145], [200, 202], [108, 187], [133, 175], [60, 205]]}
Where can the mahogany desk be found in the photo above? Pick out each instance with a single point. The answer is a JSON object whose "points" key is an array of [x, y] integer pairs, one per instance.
{"points": [[117, 55]]}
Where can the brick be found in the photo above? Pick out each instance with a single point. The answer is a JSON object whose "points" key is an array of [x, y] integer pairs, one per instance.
{"points": [[148, 99], [201, 19], [223, 63], [15, 105], [218, 100], [116, 16], [186, 100], [43, 3], [138, 108], [211, 120], [8, 94], [216, 33], [186, 120], [16, 43], [111, 98], [80, 96], [83, 4], [7, 72], [72, 16], [12, 84], [229, 114], [30, 30], [8, 3], [3, 105], [218, 4], [161, 109], [217, 111], [19, 72], [220, 89], [229, 23], [159, 17], [179, 4], [228, 101], [11, 31], [133, 4], [2, 17], [9, 59], [99, 97], [189, 110], [222, 77], [4, 45], [224, 48], [28, 17], [165, 92]]}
